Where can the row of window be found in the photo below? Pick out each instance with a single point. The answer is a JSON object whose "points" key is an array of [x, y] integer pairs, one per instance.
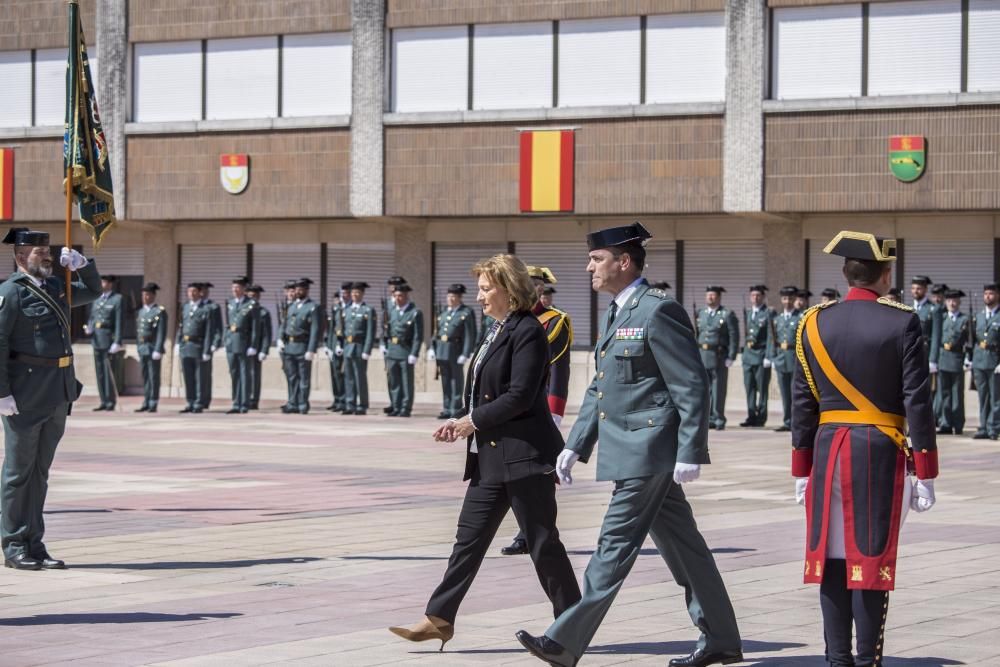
{"points": [[893, 48], [34, 86]]}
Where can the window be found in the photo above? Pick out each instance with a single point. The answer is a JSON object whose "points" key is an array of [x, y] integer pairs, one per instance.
{"points": [[817, 52], [512, 66], [15, 72], [915, 47], [167, 81], [50, 87], [430, 69], [316, 74], [599, 62], [984, 45], [686, 58], [241, 78]]}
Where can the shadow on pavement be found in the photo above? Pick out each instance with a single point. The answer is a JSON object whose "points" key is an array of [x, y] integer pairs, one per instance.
{"points": [[654, 552], [195, 565], [122, 617], [678, 648], [393, 558], [820, 661]]}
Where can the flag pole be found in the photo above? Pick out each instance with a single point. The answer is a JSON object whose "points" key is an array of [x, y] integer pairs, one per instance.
{"points": [[69, 231]]}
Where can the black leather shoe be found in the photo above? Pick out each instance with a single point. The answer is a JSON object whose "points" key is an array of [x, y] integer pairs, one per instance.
{"points": [[545, 649], [390, 413], [402, 414], [233, 411], [198, 411], [360, 412], [304, 411], [152, 409], [388, 410], [782, 429], [720, 427], [186, 410], [748, 422], [142, 409], [347, 411], [703, 658], [979, 435], [444, 415], [515, 548], [944, 431], [48, 562], [99, 408], [23, 562]]}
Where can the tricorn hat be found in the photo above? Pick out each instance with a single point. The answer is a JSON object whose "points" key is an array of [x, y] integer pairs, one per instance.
{"points": [[788, 290], [456, 288], [803, 294], [543, 273], [954, 294], [758, 288], [151, 287], [361, 285], [940, 288], [109, 278], [830, 293], [548, 289], [614, 236], [921, 280], [25, 237], [256, 288], [862, 246], [346, 286], [395, 280], [715, 288], [241, 280], [402, 287]]}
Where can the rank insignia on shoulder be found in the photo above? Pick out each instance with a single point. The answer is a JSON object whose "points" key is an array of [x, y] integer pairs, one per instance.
{"points": [[886, 301], [657, 292], [637, 333], [1, 301]]}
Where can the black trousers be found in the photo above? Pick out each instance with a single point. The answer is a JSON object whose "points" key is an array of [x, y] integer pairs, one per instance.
{"points": [[533, 500], [844, 608]]}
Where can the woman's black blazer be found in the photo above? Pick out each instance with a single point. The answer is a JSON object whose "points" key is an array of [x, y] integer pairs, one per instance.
{"points": [[515, 434]]}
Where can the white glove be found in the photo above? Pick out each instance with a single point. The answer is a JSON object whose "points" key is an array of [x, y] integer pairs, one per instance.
{"points": [[431, 356], [310, 356], [996, 371], [932, 366], [383, 349], [177, 348], [339, 351], [157, 356], [686, 472], [262, 356], [557, 420], [115, 348], [411, 360], [329, 353], [206, 357], [365, 356], [462, 359], [71, 259], [564, 464], [251, 351], [281, 344], [967, 365], [8, 406], [87, 330], [801, 484], [767, 363], [923, 495], [212, 349], [727, 363]]}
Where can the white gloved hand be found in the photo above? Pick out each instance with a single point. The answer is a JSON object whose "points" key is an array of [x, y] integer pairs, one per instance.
{"points": [[71, 259], [177, 348], [281, 344], [923, 495], [411, 360], [767, 363], [967, 365], [365, 356], [996, 370], [251, 351], [557, 420], [933, 367], [87, 330], [310, 356], [212, 349], [157, 355], [262, 357], [686, 472], [431, 356], [115, 348], [206, 357], [727, 363], [8, 406], [462, 359], [329, 353], [801, 484], [564, 464], [339, 351], [383, 349]]}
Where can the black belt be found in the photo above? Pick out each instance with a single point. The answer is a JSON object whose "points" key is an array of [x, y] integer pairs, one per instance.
{"points": [[146, 339], [52, 362], [192, 339], [296, 339]]}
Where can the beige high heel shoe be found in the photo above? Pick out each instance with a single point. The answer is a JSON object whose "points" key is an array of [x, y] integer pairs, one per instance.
{"points": [[431, 627]]}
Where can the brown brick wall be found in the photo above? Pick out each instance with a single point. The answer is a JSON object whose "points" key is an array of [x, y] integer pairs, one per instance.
{"points": [[410, 13], [839, 161], [42, 24], [629, 166], [158, 21], [38, 177], [300, 174]]}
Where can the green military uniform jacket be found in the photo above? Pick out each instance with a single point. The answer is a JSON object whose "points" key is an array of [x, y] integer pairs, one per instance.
{"points": [[930, 328], [954, 342], [455, 334], [244, 325], [301, 329], [648, 402], [783, 351], [216, 313], [265, 331], [359, 329], [718, 335], [335, 326], [30, 325], [150, 330], [105, 321], [195, 334], [986, 353], [758, 342], [405, 332]]}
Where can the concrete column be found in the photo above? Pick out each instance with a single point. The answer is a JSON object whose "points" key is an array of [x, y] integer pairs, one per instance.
{"points": [[112, 88], [367, 92], [784, 255], [413, 262], [743, 136]]}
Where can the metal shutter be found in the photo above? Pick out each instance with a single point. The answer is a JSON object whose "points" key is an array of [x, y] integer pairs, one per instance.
{"points": [[15, 72], [216, 264], [686, 58], [50, 87], [914, 47], [241, 78], [430, 68], [825, 270], [661, 263], [372, 263], [984, 45], [121, 261], [274, 263], [964, 264], [817, 52], [735, 265], [568, 262], [453, 263], [316, 74], [167, 81], [512, 66], [599, 62]]}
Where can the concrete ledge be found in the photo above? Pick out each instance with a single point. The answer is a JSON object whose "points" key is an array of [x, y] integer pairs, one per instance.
{"points": [[238, 125], [560, 113], [38, 132], [886, 102]]}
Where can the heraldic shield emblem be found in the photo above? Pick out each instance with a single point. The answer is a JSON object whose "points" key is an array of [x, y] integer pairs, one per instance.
{"points": [[907, 157], [234, 172]]}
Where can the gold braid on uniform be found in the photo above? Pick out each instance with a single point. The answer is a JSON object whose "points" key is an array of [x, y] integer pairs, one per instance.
{"points": [[800, 350], [881, 631], [562, 320], [886, 301]]}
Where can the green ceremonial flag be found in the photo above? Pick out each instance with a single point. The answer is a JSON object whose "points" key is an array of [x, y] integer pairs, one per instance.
{"points": [[85, 149]]}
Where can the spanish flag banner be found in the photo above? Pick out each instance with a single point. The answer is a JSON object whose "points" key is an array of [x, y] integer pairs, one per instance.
{"points": [[546, 171], [6, 183]]}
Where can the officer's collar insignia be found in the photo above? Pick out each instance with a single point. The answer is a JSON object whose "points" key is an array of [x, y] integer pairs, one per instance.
{"points": [[636, 333]]}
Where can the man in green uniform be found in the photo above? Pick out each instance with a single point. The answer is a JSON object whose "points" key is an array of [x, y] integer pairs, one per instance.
{"points": [[286, 367], [150, 338], [37, 386], [648, 407], [105, 325], [829, 294], [757, 350], [719, 340], [215, 310], [299, 340], [193, 346], [265, 334], [930, 326], [454, 342], [405, 336], [986, 363], [786, 323], [802, 300], [951, 364], [940, 310], [242, 339], [359, 336], [335, 341]]}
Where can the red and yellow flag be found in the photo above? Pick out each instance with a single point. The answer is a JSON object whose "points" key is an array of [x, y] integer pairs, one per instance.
{"points": [[6, 183], [546, 170]]}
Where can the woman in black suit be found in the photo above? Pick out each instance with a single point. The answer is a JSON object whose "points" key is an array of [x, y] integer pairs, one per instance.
{"points": [[512, 445]]}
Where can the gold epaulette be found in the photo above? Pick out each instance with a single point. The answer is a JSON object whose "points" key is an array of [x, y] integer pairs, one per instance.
{"points": [[886, 301], [800, 352]]}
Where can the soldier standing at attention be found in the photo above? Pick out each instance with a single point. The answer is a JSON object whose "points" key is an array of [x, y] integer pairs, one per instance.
{"points": [[193, 346], [150, 337], [802, 300], [828, 295], [301, 338], [265, 334], [453, 345], [406, 335], [37, 386], [986, 364], [861, 382], [334, 342], [758, 349], [286, 368], [105, 325], [217, 328], [952, 363], [937, 301], [786, 323], [930, 326], [719, 340], [242, 338], [937, 296], [359, 337]]}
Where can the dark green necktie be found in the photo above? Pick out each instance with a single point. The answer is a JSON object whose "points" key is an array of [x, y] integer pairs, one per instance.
{"points": [[612, 314]]}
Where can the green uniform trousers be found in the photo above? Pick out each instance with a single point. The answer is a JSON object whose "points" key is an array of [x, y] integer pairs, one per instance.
{"points": [[239, 376], [654, 506], [989, 401], [194, 381], [785, 385], [150, 380], [106, 376], [400, 377], [337, 382], [299, 378], [205, 379], [718, 381], [255, 368], [355, 383], [291, 380], [452, 385], [756, 382], [951, 393], [30, 440]]}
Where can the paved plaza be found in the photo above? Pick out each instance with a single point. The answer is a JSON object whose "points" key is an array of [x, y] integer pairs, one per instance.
{"points": [[296, 540]]}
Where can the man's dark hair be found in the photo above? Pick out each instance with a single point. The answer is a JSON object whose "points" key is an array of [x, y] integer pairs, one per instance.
{"points": [[633, 250], [863, 271]]}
